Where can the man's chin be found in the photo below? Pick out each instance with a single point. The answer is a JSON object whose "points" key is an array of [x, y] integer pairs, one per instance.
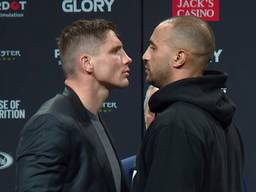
{"points": [[125, 85], [122, 85]]}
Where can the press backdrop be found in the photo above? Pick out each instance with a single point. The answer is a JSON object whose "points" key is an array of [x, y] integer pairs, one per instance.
{"points": [[30, 71]]}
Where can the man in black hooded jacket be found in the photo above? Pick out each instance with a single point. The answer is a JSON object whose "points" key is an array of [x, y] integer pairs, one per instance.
{"points": [[192, 145]]}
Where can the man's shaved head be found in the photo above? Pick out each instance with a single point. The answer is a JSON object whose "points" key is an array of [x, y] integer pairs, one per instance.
{"points": [[192, 34]]}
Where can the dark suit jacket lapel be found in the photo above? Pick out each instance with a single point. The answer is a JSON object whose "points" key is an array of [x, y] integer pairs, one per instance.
{"points": [[92, 137]]}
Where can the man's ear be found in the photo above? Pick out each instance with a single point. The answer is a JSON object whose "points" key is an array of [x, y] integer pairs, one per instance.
{"points": [[180, 58], [86, 63]]}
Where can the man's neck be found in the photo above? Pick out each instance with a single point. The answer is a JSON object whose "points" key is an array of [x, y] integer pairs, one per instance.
{"points": [[91, 96]]}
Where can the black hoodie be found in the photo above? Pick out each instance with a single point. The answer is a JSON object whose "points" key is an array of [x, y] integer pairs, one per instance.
{"points": [[192, 145]]}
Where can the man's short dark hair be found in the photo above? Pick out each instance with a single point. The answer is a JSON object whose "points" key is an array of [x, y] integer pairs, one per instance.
{"points": [[81, 31]]}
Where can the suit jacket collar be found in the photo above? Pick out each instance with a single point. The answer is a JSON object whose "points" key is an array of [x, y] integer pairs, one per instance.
{"points": [[81, 111], [82, 114]]}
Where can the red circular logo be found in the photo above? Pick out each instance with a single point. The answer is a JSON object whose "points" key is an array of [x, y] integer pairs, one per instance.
{"points": [[15, 6]]}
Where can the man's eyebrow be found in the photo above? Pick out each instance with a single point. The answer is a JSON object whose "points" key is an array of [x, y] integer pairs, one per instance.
{"points": [[152, 43], [117, 47]]}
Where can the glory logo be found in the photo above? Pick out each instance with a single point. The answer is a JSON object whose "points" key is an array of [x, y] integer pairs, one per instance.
{"points": [[75, 6]]}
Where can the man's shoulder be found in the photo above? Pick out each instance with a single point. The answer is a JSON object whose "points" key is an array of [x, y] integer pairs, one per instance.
{"points": [[189, 117], [57, 104], [185, 109], [179, 110], [55, 111]]}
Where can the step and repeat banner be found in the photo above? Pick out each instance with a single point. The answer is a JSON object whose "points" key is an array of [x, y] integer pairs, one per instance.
{"points": [[30, 70]]}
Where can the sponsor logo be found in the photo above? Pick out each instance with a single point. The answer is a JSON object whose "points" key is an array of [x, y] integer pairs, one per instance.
{"points": [[224, 89], [12, 8], [56, 54], [108, 107], [9, 55], [205, 9], [6, 160], [10, 109], [217, 56], [77, 6]]}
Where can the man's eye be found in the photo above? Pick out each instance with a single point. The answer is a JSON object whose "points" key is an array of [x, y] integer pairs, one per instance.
{"points": [[152, 47], [116, 50]]}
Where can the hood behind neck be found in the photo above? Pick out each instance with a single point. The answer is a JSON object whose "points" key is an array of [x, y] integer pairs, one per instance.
{"points": [[207, 92]]}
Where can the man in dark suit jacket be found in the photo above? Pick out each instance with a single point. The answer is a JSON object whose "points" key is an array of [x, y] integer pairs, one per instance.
{"points": [[65, 146]]}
